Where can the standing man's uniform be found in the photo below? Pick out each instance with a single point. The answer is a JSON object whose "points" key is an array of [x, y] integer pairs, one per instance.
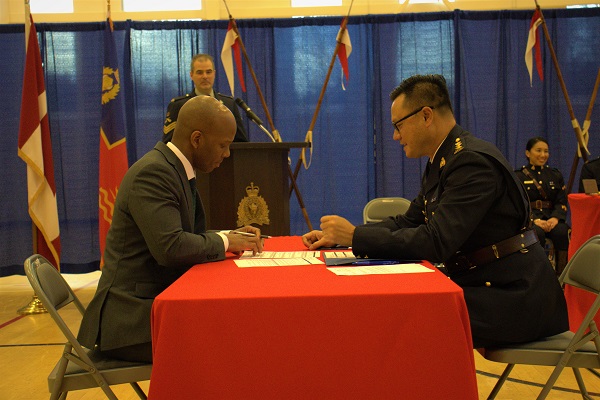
{"points": [[472, 214], [176, 104]]}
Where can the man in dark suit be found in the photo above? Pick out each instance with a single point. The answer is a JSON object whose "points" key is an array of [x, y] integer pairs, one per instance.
{"points": [[590, 170], [158, 231], [202, 72], [471, 214]]}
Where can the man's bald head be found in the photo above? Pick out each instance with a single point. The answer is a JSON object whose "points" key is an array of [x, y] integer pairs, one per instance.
{"points": [[202, 113], [205, 128]]}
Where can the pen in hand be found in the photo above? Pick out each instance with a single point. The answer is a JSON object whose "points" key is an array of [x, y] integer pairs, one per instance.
{"points": [[375, 262], [250, 234]]}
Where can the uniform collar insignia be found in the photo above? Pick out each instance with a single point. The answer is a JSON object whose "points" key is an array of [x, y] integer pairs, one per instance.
{"points": [[458, 146], [442, 162]]}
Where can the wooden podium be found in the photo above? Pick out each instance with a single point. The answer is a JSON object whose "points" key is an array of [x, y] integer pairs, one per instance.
{"points": [[250, 187]]}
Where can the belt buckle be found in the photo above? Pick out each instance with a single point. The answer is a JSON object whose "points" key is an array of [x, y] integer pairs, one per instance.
{"points": [[538, 204], [463, 263]]}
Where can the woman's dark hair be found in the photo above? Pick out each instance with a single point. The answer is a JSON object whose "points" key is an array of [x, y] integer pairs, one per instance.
{"points": [[533, 141]]}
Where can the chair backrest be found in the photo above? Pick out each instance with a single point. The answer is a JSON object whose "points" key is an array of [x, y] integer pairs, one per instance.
{"points": [[583, 269], [380, 208], [52, 290]]}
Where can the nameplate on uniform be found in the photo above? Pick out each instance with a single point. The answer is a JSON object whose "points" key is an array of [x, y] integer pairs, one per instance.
{"points": [[590, 186]]}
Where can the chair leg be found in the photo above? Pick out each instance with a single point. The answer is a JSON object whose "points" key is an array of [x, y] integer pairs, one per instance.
{"points": [[58, 395], [593, 372], [501, 381], [108, 392], [581, 384], [561, 261], [550, 382], [138, 390]]}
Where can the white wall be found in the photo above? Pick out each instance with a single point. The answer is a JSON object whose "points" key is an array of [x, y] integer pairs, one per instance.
{"points": [[12, 11]]}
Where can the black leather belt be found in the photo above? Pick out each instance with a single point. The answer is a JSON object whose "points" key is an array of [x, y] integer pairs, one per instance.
{"points": [[539, 204], [464, 262]]}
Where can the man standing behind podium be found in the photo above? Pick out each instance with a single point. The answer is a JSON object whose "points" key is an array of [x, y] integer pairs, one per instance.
{"points": [[472, 214], [202, 72], [158, 231]]}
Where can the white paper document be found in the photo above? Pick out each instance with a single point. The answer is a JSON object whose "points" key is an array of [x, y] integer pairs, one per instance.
{"points": [[381, 269], [275, 262], [281, 254], [338, 254]]}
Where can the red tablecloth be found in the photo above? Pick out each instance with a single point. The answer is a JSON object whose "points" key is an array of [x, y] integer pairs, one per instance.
{"points": [[302, 332], [585, 223]]}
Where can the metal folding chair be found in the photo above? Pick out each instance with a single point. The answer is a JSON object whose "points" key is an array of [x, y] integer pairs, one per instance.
{"points": [[380, 208], [78, 367], [574, 350]]}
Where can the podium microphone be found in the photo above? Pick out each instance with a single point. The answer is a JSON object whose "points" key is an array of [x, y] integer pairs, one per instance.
{"points": [[249, 112]]}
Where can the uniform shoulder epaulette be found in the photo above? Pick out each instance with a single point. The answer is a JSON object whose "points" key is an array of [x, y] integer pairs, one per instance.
{"points": [[224, 95], [552, 168], [594, 160], [174, 99]]}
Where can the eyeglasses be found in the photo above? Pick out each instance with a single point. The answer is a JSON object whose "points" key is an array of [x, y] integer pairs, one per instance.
{"points": [[396, 127]]}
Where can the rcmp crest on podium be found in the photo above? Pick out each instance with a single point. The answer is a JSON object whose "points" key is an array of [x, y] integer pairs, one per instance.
{"points": [[253, 208]]}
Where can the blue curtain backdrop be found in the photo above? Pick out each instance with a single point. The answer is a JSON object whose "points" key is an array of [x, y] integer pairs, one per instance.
{"points": [[354, 159]]}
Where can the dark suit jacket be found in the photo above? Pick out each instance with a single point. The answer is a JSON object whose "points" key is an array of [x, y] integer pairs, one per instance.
{"points": [[590, 170], [153, 239], [176, 104], [469, 199]]}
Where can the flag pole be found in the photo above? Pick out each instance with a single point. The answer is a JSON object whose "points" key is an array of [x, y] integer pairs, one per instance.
{"points": [[260, 94], [108, 16], [309, 133], [27, 20], [586, 126], [274, 131], [35, 306], [576, 127]]}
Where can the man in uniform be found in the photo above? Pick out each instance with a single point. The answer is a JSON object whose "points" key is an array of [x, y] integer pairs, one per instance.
{"points": [[590, 170], [471, 214], [202, 72]]}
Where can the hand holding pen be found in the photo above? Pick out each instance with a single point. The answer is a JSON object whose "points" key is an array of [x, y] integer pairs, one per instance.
{"points": [[246, 238]]}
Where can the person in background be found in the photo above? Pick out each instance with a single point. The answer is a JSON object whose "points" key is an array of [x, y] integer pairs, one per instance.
{"points": [[202, 72], [472, 214], [548, 198], [590, 170], [158, 231]]}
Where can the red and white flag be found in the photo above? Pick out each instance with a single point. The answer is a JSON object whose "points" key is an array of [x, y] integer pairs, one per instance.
{"points": [[533, 40], [232, 45], [344, 51], [35, 149]]}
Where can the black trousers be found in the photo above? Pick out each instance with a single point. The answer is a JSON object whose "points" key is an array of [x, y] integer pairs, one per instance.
{"points": [[559, 236], [137, 353]]}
